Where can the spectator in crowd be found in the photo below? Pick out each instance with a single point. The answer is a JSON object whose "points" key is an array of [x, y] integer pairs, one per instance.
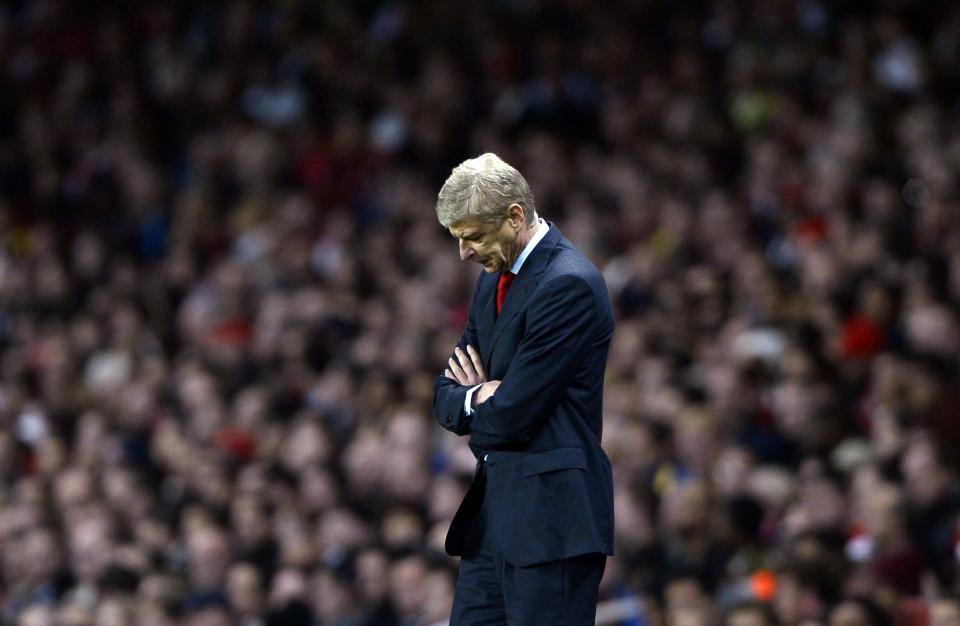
{"points": [[750, 614], [222, 307]]}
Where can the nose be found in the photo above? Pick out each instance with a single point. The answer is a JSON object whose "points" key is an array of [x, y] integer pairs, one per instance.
{"points": [[465, 251]]}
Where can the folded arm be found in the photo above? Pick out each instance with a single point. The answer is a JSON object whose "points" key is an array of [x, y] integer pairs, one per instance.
{"points": [[561, 321], [448, 393]]}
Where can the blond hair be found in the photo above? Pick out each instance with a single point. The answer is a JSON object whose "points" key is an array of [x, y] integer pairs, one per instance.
{"points": [[483, 188]]}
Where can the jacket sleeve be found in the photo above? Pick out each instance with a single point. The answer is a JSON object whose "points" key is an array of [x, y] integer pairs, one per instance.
{"points": [[561, 318], [448, 394]]}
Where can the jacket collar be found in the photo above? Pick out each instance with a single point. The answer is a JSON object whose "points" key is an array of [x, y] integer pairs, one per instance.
{"points": [[537, 261], [490, 324]]}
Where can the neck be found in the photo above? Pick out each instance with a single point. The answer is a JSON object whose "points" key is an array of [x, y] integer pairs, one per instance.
{"points": [[523, 238]]}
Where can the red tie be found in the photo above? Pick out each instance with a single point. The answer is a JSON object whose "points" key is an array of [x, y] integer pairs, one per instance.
{"points": [[503, 286]]}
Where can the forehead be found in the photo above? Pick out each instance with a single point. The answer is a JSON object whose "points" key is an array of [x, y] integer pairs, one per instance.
{"points": [[469, 226]]}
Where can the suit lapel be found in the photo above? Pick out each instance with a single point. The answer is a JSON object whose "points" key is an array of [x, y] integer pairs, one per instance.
{"points": [[523, 285], [487, 317]]}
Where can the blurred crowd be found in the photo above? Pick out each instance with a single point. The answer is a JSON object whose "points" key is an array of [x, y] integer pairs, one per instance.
{"points": [[224, 297]]}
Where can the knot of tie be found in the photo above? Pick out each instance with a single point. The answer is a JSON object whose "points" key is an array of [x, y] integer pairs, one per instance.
{"points": [[503, 286]]}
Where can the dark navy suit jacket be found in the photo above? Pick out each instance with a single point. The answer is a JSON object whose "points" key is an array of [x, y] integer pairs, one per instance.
{"points": [[548, 482]]}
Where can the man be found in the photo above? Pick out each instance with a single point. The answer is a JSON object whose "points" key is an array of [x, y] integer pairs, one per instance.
{"points": [[945, 612], [525, 382], [750, 613]]}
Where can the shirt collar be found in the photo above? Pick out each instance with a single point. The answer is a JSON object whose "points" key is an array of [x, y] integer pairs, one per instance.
{"points": [[542, 230]]}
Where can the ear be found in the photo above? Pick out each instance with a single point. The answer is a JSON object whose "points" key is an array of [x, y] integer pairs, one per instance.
{"points": [[516, 215]]}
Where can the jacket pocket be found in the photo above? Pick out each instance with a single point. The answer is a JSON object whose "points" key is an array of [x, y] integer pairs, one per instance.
{"points": [[552, 460]]}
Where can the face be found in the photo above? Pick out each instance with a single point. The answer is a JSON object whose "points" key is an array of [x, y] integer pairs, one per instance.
{"points": [[243, 588], [494, 245], [209, 617], [945, 613], [747, 617], [849, 614]]}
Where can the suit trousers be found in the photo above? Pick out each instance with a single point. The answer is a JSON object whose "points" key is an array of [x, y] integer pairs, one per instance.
{"points": [[490, 591]]}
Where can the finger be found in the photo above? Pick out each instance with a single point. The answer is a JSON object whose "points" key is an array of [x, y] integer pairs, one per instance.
{"points": [[467, 366], [477, 363], [457, 371], [449, 374]]}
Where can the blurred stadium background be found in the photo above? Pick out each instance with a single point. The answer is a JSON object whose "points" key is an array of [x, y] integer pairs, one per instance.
{"points": [[224, 297]]}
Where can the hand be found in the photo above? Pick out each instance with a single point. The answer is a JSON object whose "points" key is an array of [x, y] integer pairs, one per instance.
{"points": [[466, 367], [486, 391]]}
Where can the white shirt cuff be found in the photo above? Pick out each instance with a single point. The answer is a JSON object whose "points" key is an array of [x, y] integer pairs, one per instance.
{"points": [[467, 401]]}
